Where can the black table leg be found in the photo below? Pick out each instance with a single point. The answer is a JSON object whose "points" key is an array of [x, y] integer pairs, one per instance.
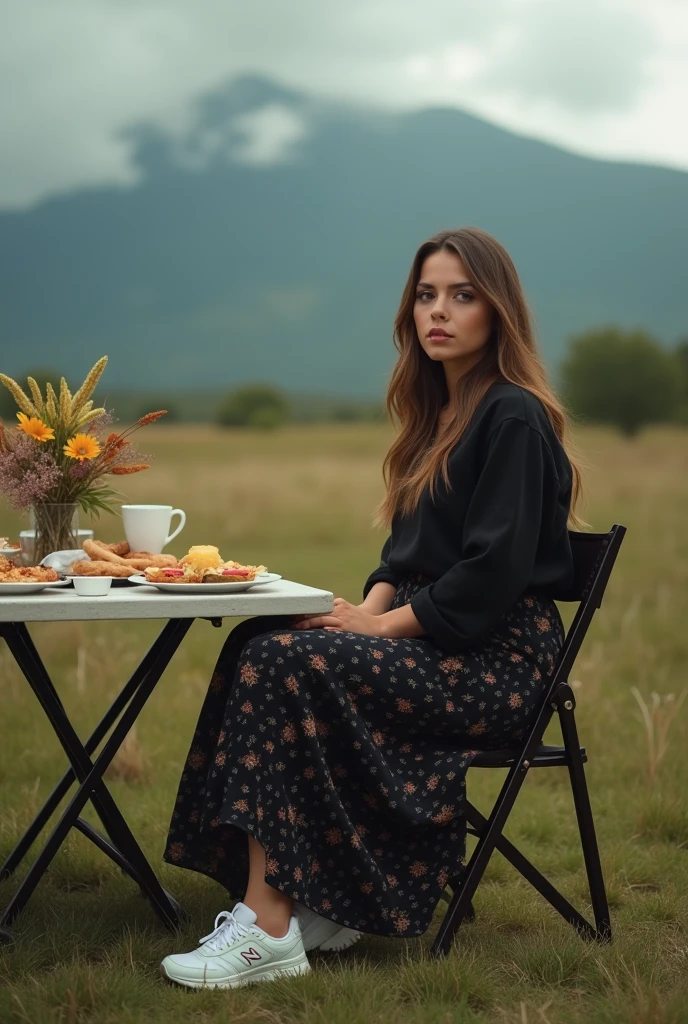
{"points": [[102, 729], [125, 850], [102, 800]]}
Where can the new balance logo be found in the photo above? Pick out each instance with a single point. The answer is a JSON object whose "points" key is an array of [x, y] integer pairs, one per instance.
{"points": [[250, 954]]}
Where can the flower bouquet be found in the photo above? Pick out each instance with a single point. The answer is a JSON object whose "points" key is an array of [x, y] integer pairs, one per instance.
{"points": [[56, 460]]}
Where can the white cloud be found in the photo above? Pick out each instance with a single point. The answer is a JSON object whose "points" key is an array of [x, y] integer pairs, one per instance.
{"points": [[584, 60], [605, 77], [270, 135]]}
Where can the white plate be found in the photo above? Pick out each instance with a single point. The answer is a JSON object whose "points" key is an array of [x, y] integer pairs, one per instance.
{"points": [[208, 588], [9, 551], [30, 588]]}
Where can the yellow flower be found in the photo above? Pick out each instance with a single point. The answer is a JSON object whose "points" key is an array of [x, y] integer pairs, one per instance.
{"points": [[82, 446], [35, 428]]}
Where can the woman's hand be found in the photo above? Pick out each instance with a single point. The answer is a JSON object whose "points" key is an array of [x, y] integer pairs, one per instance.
{"points": [[349, 617]]}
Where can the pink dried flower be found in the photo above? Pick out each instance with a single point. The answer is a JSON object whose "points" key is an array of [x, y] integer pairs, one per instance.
{"points": [[27, 473]]}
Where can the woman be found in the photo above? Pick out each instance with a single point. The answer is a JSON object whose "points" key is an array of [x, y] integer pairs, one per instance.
{"points": [[326, 778]]}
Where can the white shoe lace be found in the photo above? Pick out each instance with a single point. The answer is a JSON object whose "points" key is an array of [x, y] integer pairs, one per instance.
{"points": [[226, 930]]}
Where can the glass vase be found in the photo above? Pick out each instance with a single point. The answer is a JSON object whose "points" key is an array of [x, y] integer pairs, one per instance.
{"points": [[55, 528]]}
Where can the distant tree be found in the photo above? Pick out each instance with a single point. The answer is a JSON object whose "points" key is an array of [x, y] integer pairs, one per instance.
{"points": [[254, 405], [346, 412], [625, 378], [681, 353]]}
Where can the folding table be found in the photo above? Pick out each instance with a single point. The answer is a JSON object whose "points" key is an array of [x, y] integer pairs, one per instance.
{"points": [[282, 597]]}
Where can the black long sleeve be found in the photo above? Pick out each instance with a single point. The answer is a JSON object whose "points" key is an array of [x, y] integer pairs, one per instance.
{"points": [[499, 532], [383, 573], [499, 541]]}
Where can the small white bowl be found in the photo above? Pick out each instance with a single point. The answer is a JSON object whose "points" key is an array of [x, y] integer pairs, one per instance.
{"points": [[92, 586]]}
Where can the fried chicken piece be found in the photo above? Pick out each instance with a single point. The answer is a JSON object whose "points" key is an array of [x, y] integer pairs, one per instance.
{"points": [[100, 552], [158, 561], [137, 560], [5, 564], [100, 568], [121, 548], [30, 574]]}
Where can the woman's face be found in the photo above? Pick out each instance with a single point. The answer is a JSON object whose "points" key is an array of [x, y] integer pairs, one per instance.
{"points": [[452, 319]]}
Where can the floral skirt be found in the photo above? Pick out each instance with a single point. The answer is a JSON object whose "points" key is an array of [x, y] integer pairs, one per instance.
{"points": [[345, 756]]}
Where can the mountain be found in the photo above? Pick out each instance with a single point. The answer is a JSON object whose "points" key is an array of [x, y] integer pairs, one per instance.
{"points": [[219, 267]]}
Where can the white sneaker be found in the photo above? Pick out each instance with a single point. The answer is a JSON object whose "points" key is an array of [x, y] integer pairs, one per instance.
{"points": [[319, 933], [237, 953]]}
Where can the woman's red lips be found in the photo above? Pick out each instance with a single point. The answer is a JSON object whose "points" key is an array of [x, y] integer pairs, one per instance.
{"points": [[437, 332]]}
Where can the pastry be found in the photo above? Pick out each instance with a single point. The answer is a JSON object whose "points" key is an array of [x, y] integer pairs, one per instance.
{"points": [[100, 552], [102, 568], [121, 548], [147, 559], [136, 560], [202, 556]]}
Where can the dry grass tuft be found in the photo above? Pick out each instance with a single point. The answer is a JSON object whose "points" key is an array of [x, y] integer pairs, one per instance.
{"points": [[657, 716], [130, 763]]}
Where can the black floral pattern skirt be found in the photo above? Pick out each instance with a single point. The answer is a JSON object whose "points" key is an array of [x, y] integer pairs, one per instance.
{"points": [[345, 756]]}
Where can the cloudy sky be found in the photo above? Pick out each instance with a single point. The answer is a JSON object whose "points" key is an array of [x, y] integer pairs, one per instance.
{"points": [[606, 78]]}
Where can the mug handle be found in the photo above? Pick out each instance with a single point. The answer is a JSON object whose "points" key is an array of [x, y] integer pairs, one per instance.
{"points": [[176, 512]]}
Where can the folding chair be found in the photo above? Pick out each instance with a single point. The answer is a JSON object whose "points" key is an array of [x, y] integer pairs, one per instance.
{"points": [[594, 555]]}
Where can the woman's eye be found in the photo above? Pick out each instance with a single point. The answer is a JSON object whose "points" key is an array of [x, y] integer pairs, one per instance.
{"points": [[424, 295], [466, 295]]}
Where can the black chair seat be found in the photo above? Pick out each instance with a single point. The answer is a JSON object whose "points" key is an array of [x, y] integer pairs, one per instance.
{"points": [[545, 757]]}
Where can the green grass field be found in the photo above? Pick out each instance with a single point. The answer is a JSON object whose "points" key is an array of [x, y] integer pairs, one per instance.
{"points": [[300, 501]]}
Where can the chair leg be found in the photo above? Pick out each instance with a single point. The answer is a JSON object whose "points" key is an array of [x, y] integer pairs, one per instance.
{"points": [[586, 825], [459, 910], [461, 904], [453, 885], [536, 878]]}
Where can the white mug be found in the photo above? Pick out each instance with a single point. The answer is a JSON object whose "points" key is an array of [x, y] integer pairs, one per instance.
{"points": [[146, 527]]}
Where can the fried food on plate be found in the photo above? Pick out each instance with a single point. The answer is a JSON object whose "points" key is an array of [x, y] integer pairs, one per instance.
{"points": [[147, 560], [187, 574], [255, 570], [100, 552], [121, 548], [232, 572], [27, 574], [5, 564], [137, 560], [206, 558], [101, 568]]}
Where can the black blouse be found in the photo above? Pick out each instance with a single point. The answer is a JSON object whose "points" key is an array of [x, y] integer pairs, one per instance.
{"points": [[501, 530]]}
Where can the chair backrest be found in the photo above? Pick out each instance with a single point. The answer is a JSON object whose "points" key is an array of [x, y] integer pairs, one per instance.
{"points": [[589, 551], [594, 555]]}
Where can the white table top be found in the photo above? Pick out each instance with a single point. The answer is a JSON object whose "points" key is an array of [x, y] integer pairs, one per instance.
{"points": [[63, 604]]}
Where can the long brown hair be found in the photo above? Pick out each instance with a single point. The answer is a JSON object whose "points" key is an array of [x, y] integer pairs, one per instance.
{"points": [[418, 387]]}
